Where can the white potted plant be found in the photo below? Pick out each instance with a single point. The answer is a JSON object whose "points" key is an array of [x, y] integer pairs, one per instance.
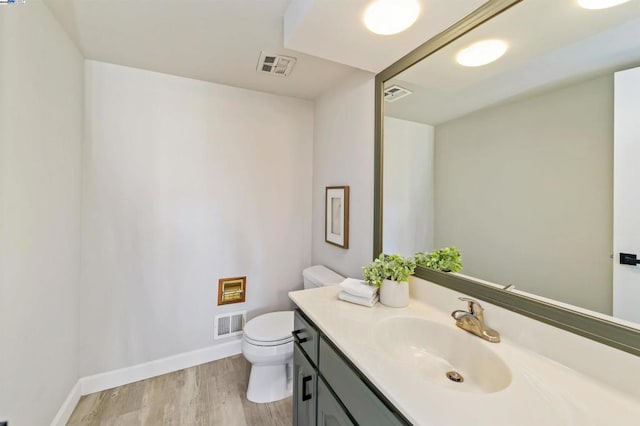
{"points": [[390, 273]]}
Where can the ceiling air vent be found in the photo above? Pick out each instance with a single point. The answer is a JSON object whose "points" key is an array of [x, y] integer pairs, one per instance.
{"points": [[395, 92], [275, 64]]}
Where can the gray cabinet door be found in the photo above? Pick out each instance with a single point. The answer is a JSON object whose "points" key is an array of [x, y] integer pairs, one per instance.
{"points": [[330, 412], [363, 404], [304, 390]]}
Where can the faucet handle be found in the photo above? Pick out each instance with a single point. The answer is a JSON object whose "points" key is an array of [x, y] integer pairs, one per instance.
{"points": [[475, 308]]}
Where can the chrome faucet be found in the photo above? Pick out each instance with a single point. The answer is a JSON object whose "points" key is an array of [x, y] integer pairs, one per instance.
{"points": [[473, 321]]}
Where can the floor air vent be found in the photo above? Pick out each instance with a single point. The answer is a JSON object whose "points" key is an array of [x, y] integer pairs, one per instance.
{"points": [[395, 92], [275, 64], [227, 325]]}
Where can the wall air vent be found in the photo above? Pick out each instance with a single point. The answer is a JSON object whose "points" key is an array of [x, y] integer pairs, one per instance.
{"points": [[275, 64], [395, 92], [227, 325]]}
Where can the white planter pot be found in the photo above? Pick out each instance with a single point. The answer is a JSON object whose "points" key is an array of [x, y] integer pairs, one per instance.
{"points": [[394, 294]]}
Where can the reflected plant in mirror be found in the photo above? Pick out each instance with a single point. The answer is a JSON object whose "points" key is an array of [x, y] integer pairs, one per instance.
{"points": [[447, 259], [531, 156]]}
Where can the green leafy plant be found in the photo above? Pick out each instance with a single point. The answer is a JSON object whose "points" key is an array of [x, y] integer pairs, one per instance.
{"points": [[446, 259], [389, 267]]}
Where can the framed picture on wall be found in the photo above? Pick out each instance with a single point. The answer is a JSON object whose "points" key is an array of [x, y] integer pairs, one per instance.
{"points": [[336, 216]]}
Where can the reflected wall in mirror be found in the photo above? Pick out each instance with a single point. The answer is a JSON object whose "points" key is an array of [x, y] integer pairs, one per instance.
{"points": [[513, 162]]}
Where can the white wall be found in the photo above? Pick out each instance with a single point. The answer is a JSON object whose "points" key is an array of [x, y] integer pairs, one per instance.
{"points": [[40, 144], [408, 187], [626, 194], [186, 182], [343, 155], [524, 190]]}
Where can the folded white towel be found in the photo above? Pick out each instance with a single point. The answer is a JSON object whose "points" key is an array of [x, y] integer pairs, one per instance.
{"points": [[358, 288], [364, 301]]}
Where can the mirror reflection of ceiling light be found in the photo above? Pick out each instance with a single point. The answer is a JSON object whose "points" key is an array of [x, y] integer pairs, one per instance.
{"points": [[600, 4], [481, 53], [386, 17]]}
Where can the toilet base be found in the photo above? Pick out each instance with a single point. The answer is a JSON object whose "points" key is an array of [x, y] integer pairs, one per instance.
{"points": [[269, 383]]}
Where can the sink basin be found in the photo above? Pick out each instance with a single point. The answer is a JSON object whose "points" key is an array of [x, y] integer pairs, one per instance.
{"points": [[432, 350]]}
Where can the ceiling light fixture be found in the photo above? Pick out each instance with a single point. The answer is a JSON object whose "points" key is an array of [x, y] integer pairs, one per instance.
{"points": [[600, 4], [481, 53], [386, 17]]}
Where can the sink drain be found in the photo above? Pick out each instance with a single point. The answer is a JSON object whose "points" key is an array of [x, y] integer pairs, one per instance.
{"points": [[454, 376]]}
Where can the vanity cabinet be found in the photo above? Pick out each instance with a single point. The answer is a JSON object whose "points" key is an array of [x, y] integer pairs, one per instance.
{"points": [[330, 411], [306, 337], [328, 389], [305, 387], [362, 401]]}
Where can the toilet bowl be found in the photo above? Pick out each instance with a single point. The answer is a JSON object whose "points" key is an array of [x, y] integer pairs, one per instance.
{"points": [[267, 344]]}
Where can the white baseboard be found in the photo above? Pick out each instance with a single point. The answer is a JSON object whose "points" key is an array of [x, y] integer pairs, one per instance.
{"points": [[123, 376], [69, 404]]}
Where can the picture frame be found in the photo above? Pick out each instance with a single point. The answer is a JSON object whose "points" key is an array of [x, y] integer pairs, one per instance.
{"points": [[336, 216]]}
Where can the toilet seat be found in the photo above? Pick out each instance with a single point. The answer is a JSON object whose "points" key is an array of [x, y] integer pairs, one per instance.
{"points": [[270, 329], [272, 343]]}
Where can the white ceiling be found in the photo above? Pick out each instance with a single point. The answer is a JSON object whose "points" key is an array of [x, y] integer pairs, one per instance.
{"points": [[212, 40], [220, 40], [552, 42], [334, 30]]}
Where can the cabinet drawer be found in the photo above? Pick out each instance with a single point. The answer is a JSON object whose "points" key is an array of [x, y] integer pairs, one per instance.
{"points": [[306, 336], [363, 404]]}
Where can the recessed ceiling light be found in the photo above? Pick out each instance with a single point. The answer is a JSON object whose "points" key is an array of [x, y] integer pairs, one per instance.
{"points": [[600, 4], [481, 53], [386, 17]]}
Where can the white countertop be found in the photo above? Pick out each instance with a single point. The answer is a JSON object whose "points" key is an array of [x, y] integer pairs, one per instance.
{"points": [[542, 392]]}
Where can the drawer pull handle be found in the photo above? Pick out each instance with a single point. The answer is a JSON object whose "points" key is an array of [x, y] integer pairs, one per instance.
{"points": [[298, 339], [305, 396]]}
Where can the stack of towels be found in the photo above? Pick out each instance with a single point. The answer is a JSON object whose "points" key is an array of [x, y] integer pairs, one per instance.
{"points": [[358, 291]]}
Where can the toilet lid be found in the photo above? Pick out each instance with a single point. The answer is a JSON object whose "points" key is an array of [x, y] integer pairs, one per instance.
{"points": [[270, 327]]}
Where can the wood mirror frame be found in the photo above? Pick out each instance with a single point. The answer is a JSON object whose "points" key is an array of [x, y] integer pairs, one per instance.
{"points": [[601, 330]]}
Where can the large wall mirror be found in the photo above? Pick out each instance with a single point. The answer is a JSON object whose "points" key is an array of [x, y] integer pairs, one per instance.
{"points": [[527, 164]]}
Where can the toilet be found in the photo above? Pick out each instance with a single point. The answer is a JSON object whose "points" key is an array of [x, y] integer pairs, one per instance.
{"points": [[267, 344]]}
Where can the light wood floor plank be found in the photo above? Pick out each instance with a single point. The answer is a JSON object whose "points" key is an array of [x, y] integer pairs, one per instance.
{"points": [[212, 394]]}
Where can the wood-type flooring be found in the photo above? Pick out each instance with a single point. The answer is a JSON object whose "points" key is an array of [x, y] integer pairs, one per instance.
{"points": [[212, 394]]}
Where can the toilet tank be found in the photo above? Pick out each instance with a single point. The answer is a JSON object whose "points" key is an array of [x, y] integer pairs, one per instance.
{"points": [[319, 276]]}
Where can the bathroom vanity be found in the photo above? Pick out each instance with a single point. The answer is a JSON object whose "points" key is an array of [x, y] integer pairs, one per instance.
{"points": [[502, 152], [385, 366], [328, 388]]}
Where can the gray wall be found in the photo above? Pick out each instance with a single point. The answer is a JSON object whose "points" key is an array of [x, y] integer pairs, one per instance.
{"points": [[408, 187], [186, 182], [40, 145], [525, 191], [343, 155]]}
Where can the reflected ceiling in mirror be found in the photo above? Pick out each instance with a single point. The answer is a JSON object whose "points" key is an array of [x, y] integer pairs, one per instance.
{"points": [[513, 162]]}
